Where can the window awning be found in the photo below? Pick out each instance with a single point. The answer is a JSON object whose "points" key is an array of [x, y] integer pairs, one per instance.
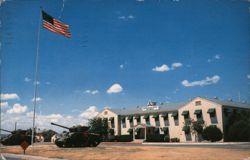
{"points": [[130, 117], [146, 116], [111, 118], [130, 130], [174, 114], [164, 114], [155, 115], [211, 110], [186, 129], [197, 111], [164, 129], [184, 113], [137, 116]]}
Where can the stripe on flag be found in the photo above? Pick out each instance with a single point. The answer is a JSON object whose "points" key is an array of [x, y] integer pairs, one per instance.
{"points": [[55, 25]]}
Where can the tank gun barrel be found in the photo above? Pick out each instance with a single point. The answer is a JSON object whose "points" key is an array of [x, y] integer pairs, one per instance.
{"points": [[6, 130], [59, 125]]}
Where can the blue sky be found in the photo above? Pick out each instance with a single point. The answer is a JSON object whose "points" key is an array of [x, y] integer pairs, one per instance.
{"points": [[165, 51]]}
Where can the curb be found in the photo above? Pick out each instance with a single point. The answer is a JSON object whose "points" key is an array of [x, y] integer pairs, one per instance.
{"points": [[197, 144], [26, 157]]}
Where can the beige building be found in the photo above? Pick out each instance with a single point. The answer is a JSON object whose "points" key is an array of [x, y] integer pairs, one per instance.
{"points": [[170, 119]]}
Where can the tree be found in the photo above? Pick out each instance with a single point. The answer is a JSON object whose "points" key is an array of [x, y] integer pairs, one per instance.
{"points": [[238, 126], [197, 129], [99, 126], [239, 131], [212, 133]]}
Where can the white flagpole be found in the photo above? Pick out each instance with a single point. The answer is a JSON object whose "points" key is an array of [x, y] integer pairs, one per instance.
{"points": [[36, 81]]}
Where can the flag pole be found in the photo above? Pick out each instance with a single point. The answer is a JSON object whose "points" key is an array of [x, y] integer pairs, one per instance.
{"points": [[36, 79]]}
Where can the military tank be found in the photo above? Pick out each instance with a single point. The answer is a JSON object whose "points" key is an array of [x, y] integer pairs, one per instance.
{"points": [[77, 136], [16, 137]]}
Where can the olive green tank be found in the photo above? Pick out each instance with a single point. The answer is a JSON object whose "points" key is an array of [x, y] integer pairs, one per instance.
{"points": [[16, 137], [77, 136]]}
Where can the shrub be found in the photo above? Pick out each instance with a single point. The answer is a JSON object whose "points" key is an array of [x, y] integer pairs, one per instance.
{"points": [[124, 138], [239, 131], [166, 138], [175, 139], [212, 133], [155, 138]]}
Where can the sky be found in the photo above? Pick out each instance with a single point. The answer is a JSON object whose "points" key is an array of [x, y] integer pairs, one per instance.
{"points": [[121, 54]]}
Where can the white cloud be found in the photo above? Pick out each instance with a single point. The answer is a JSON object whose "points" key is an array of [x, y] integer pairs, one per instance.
{"points": [[217, 56], [2, 1], [248, 76], [126, 17], [122, 17], [27, 79], [121, 66], [24, 121], [131, 17], [214, 58], [89, 113], [140, 0], [176, 65], [4, 104], [91, 92], [115, 88], [37, 82], [8, 96], [38, 99], [47, 83], [17, 108], [162, 68], [204, 82]]}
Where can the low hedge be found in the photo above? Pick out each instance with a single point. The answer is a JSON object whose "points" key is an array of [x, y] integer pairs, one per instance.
{"points": [[124, 138], [175, 140], [157, 138]]}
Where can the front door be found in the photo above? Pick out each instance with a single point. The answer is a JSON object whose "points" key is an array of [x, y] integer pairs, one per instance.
{"points": [[140, 133]]}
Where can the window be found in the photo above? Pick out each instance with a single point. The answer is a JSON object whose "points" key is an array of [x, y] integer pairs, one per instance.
{"points": [[112, 123], [197, 103], [213, 117], [106, 112], [186, 117], [147, 121], [176, 117], [123, 122], [198, 114], [166, 121], [138, 119], [156, 117], [157, 122], [131, 123]]}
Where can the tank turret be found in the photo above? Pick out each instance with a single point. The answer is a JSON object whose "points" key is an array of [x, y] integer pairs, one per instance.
{"points": [[77, 136]]}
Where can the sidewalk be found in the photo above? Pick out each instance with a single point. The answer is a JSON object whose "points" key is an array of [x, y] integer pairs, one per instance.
{"points": [[7, 156]]}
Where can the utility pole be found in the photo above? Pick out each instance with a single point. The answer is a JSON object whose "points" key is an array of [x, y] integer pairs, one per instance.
{"points": [[239, 96], [15, 125]]}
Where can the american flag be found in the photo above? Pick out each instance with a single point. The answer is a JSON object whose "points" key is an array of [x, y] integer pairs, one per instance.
{"points": [[55, 25]]}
